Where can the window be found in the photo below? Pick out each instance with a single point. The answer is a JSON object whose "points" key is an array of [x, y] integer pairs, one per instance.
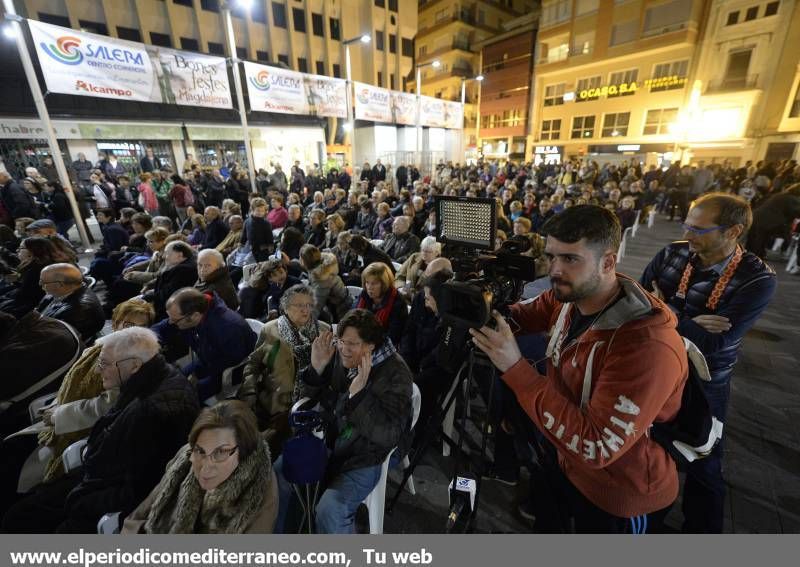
{"points": [[672, 75], [667, 17], [624, 32], [551, 129], [283, 59], [623, 77], [183, 2], [751, 14], [771, 9], [337, 70], [391, 81], [583, 7], [554, 94], [733, 18], [93, 27], [380, 78], [380, 3], [299, 19], [209, 5], [317, 24], [302, 64], [160, 39], [582, 43], [190, 44], [319, 67], [262, 55], [241, 52], [616, 124], [582, 127], [379, 40], [794, 111], [334, 25], [393, 5], [658, 121], [738, 66], [392, 43], [556, 12], [279, 15], [129, 33], [62, 21], [407, 47], [585, 85], [215, 48], [405, 84], [423, 49]]}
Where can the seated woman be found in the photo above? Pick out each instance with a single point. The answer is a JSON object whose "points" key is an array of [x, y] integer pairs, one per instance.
{"points": [[348, 260], [25, 293], [80, 402], [221, 482], [408, 276], [198, 236], [380, 297], [180, 270], [323, 278], [267, 280], [283, 350]]}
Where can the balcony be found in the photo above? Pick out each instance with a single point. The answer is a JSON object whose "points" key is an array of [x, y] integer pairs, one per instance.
{"points": [[654, 31], [731, 84], [577, 51]]}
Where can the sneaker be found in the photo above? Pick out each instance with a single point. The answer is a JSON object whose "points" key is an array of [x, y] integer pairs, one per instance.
{"points": [[506, 477], [526, 511]]}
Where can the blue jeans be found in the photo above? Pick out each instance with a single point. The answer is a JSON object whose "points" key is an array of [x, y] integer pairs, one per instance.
{"points": [[704, 488], [336, 510]]}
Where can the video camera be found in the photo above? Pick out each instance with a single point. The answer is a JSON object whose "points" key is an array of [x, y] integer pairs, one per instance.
{"points": [[484, 281]]}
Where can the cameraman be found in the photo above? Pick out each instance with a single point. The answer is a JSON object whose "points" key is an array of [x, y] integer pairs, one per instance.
{"points": [[616, 365]]}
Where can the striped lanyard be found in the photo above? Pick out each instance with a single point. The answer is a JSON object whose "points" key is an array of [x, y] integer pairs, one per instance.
{"points": [[721, 284]]}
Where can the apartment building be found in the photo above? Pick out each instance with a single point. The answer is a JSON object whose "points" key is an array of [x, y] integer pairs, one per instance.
{"points": [[303, 35]]}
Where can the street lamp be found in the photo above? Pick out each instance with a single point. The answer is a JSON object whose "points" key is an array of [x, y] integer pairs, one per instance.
{"points": [[237, 83], [479, 78], [435, 64], [350, 126]]}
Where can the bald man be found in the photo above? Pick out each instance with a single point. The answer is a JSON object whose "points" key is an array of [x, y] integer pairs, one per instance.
{"points": [[213, 276], [401, 243], [70, 300]]}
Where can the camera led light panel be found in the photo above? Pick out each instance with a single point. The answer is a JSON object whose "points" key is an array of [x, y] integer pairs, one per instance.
{"points": [[467, 222]]}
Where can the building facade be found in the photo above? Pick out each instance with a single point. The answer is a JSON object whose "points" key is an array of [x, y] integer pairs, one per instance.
{"points": [[667, 80], [303, 35], [504, 105]]}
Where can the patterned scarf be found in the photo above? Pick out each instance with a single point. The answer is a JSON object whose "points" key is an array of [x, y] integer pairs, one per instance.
{"points": [[299, 339], [180, 506], [379, 355], [721, 284]]}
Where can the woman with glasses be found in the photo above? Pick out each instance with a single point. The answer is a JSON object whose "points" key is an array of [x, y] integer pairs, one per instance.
{"points": [[283, 351], [221, 482], [81, 400]]}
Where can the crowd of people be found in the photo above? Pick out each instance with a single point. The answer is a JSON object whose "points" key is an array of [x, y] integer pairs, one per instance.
{"points": [[326, 286]]}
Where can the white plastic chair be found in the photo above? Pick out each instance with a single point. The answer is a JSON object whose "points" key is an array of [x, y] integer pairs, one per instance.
{"points": [[624, 244], [354, 291], [276, 233], [651, 218], [108, 524], [256, 325], [397, 265], [72, 457], [377, 242], [635, 226], [84, 270], [36, 405], [376, 500], [792, 263], [228, 390], [247, 270], [90, 281]]}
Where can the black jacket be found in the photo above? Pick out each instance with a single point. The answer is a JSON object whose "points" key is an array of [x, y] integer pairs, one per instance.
{"points": [[18, 202], [370, 424], [315, 235], [81, 309], [399, 248], [258, 233], [219, 281], [114, 237], [746, 296], [26, 294], [375, 254], [129, 447], [216, 231], [168, 282], [59, 207], [149, 166]]}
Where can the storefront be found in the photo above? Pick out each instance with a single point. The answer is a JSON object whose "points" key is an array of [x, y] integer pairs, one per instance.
{"points": [[660, 155], [23, 144], [130, 153]]}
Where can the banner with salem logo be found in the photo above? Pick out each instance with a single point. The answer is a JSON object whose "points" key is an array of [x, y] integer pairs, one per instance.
{"points": [[85, 64], [327, 96], [372, 103], [404, 108], [272, 89]]}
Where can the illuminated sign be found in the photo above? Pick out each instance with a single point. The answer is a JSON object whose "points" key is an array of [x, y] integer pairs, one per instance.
{"points": [[661, 82], [628, 148], [613, 90], [569, 97], [547, 150]]}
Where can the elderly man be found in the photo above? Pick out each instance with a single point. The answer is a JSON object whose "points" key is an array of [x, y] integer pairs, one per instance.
{"points": [[213, 276], [18, 202], [401, 243], [128, 448], [218, 337], [233, 238], [68, 299], [216, 231]]}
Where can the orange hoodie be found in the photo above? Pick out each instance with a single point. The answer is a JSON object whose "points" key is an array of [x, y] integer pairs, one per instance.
{"points": [[636, 366]]}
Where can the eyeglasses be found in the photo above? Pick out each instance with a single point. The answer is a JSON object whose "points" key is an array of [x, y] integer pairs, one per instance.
{"points": [[59, 282], [178, 320], [340, 343], [129, 324], [218, 455], [308, 306], [100, 364], [701, 231]]}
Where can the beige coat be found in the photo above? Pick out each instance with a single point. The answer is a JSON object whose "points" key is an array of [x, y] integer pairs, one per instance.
{"points": [[410, 272]]}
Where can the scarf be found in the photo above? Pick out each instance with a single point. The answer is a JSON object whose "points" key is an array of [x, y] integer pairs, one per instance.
{"points": [[382, 310], [180, 506], [721, 284], [299, 339], [82, 382]]}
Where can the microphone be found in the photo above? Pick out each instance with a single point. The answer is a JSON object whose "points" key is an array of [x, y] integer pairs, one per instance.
{"points": [[461, 493]]}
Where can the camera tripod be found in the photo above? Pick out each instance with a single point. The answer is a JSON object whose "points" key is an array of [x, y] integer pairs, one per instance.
{"points": [[461, 386]]}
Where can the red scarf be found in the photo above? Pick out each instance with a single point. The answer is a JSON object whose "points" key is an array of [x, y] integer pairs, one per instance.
{"points": [[382, 313]]}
